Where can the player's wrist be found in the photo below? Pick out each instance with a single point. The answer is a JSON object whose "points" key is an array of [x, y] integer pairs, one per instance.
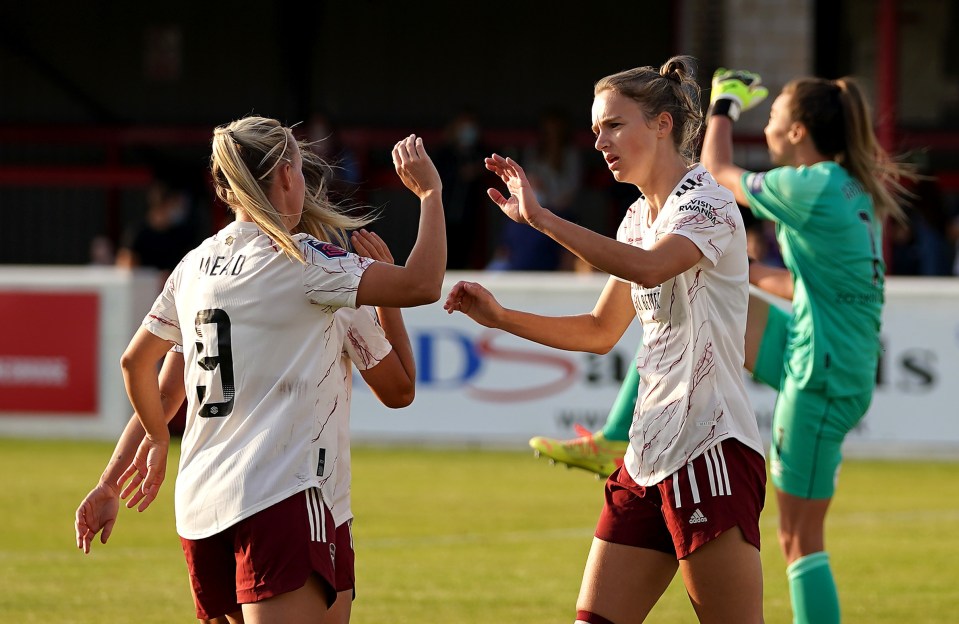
{"points": [[726, 107]]}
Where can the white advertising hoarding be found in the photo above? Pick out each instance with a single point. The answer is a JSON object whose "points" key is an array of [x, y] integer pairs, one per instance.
{"points": [[485, 387], [475, 386]]}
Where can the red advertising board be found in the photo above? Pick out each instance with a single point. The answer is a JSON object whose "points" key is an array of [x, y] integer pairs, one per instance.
{"points": [[49, 352]]}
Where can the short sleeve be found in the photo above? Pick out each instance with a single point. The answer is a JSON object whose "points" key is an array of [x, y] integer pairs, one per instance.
{"points": [[784, 195], [365, 341], [331, 274], [705, 217], [163, 320]]}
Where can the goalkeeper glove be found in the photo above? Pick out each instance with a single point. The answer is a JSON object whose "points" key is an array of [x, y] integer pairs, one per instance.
{"points": [[734, 91]]}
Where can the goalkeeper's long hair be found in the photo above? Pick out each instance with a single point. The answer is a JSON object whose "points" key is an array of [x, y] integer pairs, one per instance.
{"points": [[839, 122], [246, 153], [671, 89]]}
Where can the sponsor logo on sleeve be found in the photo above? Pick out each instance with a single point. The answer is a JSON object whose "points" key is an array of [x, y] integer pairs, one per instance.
{"points": [[754, 182], [329, 250]]}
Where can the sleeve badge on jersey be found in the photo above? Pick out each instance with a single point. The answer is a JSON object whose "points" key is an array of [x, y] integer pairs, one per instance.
{"points": [[327, 249], [754, 182]]}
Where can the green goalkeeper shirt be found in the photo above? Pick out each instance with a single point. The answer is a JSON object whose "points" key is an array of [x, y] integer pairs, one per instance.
{"points": [[831, 243]]}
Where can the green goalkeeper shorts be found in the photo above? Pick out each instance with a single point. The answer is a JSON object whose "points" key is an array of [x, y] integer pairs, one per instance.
{"points": [[808, 430]]}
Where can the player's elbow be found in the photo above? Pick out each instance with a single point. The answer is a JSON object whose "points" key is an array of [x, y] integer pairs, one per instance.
{"points": [[403, 398], [603, 347], [427, 293]]}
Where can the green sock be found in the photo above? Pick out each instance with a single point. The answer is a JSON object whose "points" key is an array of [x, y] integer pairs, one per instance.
{"points": [[621, 414], [812, 590]]}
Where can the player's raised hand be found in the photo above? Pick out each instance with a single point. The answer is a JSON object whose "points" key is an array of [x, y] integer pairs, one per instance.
{"points": [[742, 89], [415, 167], [144, 476], [475, 302], [521, 205], [369, 244], [97, 513]]}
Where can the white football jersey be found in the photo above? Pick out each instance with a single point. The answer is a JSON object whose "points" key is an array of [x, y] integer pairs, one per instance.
{"points": [[691, 392], [258, 340], [364, 346]]}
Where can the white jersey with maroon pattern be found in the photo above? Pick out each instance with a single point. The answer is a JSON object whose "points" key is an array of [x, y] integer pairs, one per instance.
{"points": [[364, 346], [691, 392], [259, 340]]}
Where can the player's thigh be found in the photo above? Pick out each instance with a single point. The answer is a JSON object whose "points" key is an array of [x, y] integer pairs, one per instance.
{"points": [[622, 583], [724, 580], [306, 605], [808, 431]]}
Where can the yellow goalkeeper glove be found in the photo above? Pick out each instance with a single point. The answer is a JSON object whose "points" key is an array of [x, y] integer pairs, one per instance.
{"points": [[734, 91]]}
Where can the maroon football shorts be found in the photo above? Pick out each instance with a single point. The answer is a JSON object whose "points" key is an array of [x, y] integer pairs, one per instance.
{"points": [[345, 558], [723, 488], [272, 552]]}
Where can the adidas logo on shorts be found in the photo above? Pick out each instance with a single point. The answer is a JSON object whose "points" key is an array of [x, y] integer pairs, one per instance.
{"points": [[697, 517]]}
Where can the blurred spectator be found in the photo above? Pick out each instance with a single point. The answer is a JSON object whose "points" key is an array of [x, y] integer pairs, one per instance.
{"points": [[327, 144], [761, 242], [165, 235], [459, 161], [101, 251], [923, 246], [554, 168]]}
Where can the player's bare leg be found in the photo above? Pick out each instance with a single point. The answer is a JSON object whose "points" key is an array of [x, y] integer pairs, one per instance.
{"points": [[229, 618], [339, 613], [306, 605], [622, 583], [724, 580]]}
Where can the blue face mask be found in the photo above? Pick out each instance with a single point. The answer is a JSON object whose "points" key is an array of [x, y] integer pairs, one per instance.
{"points": [[466, 135]]}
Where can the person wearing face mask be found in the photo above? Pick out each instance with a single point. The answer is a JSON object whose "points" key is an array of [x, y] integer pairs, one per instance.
{"points": [[459, 161], [831, 189], [690, 491]]}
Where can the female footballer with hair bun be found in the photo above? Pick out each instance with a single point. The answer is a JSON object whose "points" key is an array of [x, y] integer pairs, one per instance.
{"points": [[690, 491], [828, 195]]}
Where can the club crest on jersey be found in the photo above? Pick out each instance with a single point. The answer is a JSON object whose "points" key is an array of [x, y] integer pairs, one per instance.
{"points": [[329, 250]]}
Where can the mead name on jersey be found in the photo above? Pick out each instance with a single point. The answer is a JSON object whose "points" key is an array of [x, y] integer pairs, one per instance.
{"points": [[221, 265]]}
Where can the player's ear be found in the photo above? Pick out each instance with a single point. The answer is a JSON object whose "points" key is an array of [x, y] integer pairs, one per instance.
{"points": [[286, 175], [664, 124], [797, 132]]}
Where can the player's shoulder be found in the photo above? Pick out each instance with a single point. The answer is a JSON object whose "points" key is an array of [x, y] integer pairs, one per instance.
{"points": [[799, 183], [700, 184], [699, 192]]}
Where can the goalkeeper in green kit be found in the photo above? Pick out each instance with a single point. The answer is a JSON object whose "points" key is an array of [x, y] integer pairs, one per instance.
{"points": [[828, 195]]}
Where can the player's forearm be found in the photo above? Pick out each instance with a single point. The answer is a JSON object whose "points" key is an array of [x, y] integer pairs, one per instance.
{"points": [[624, 261], [391, 319], [582, 332], [123, 454], [144, 393], [717, 151], [775, 280], [427, 259]]}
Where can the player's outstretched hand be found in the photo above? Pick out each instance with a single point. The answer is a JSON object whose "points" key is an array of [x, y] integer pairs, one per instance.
{"points": [[415, 167], [475, 302], [97, 513], [521, 205], [369, 244], [144, 476]]}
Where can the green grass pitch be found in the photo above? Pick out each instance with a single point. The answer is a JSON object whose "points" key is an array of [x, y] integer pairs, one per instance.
{"points": [[461, 536]]}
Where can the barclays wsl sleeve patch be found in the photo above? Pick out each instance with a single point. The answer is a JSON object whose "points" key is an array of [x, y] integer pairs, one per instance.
{"points": [[329, 250], [754, 182]]}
